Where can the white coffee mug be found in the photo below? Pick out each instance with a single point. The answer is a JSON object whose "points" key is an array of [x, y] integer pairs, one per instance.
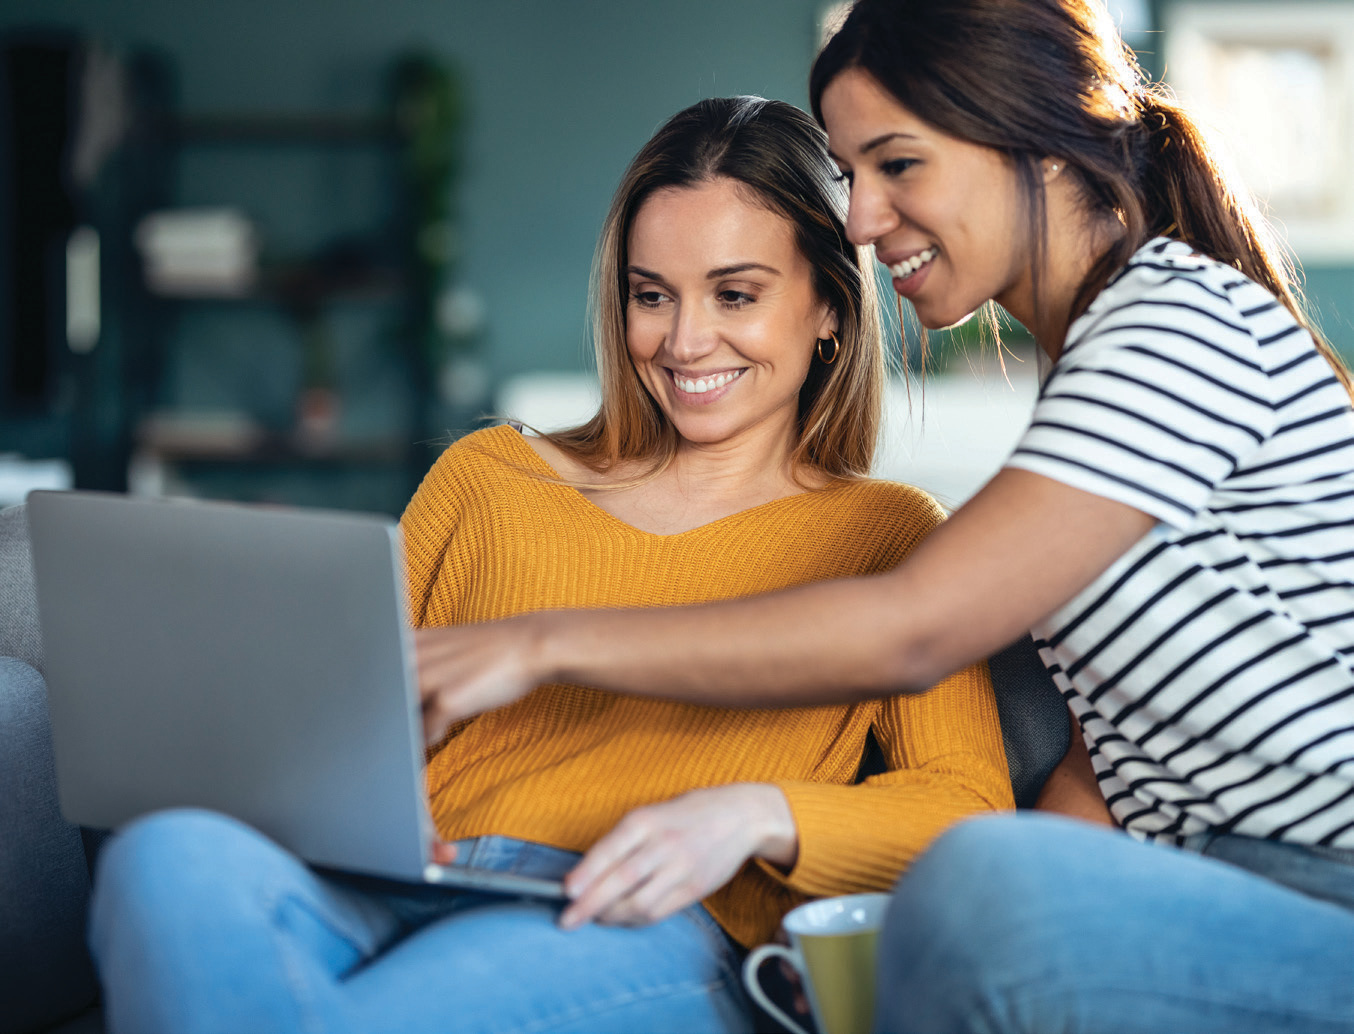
{"points": [[833, 946]]}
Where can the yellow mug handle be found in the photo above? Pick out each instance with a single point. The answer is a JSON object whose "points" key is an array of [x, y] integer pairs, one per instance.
{"points": [[752, 966]]}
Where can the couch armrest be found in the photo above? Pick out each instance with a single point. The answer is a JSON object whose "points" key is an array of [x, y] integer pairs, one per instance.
{"points": [[19, 632], [45, 972]]}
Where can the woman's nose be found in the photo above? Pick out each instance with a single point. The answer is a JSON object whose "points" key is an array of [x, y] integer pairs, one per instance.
{"points": [[870, 215], [693, 333]]}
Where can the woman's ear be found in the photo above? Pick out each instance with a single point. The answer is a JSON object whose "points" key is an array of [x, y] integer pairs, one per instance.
{"points": [[1052, 167], [828, 324]]}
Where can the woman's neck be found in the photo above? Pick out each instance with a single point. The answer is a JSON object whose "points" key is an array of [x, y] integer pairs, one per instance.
{"points": [[757, 456], [703, 483], [1074, 245]]}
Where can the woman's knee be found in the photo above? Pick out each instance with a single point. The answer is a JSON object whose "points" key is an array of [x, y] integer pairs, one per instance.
{"points": [[161, 863], [179, 839], [975, 916], [979, 866]]}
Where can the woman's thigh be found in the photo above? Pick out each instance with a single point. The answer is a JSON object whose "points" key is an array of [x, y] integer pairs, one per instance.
{"points": [[1033, 923], [200, 924], [505, 965]]}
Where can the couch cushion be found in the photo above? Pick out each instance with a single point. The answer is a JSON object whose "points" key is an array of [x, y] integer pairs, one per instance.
{"points": [[19, 633], [1034, 718]]}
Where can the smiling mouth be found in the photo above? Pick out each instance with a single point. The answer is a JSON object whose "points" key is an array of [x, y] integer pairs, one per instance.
{"points": [[907, 267], [700, 385]]}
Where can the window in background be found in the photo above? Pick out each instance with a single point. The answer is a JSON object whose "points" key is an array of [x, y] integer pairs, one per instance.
{"points": [[1273, 81]]}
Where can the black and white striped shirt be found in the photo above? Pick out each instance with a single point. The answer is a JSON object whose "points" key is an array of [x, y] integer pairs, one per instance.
{"points": [[1212, 666]]}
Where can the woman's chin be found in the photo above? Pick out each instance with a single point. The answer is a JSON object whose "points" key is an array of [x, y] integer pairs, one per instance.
{"points": [[957, 323], [704, 436], [937, 319]]}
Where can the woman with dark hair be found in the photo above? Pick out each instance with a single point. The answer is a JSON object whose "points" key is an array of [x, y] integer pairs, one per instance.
{"points": [[1175, 526], [738, 342]]}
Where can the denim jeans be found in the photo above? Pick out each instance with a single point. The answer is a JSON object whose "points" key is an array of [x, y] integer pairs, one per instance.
{"points": [[1031, 923], [199, 923]]}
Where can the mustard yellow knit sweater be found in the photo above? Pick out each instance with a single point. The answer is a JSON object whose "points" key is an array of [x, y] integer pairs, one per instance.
{"points": [[486, 536]]}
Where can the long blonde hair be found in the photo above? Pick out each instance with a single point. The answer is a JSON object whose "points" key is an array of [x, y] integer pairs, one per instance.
{"points": [[780, 158]]}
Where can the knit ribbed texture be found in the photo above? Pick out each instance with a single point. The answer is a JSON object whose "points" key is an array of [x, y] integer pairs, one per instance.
{"points": [[489, 535]]}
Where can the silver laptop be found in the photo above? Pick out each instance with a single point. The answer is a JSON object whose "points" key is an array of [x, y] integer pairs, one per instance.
{"points": [[252, 660]]}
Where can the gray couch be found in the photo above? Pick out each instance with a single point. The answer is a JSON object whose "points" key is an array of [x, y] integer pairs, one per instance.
{"points": [[46, 980]]}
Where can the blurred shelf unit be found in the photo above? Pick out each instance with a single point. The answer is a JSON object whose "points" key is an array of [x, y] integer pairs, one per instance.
{"points": [[226, 438], [174, 447], [295, 285], [329, 233], [283, 128]]}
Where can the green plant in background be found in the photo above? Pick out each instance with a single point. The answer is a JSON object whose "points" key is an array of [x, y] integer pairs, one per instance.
{"points": [[429, 114], [988, 336]]}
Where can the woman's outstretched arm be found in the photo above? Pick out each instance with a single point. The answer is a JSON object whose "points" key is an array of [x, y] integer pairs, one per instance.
{"points": [[1017, 551]]}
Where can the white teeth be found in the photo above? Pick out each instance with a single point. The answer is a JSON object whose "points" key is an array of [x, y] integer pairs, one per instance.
{"points": [[909, 266], [701, 385]]}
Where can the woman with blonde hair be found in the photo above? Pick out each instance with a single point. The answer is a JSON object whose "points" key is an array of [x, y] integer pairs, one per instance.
{"points": [[741, 363]]}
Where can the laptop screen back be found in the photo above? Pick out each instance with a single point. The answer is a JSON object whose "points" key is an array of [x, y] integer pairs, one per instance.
{"points": [[246, 659]]}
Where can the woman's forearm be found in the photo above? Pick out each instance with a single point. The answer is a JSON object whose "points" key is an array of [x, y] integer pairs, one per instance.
{"points": [[832, 641], [829, 642]]}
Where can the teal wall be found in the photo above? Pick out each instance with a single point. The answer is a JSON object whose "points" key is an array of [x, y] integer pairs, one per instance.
{"points": [[562, 93], [1330, 294], [1329, 289]]}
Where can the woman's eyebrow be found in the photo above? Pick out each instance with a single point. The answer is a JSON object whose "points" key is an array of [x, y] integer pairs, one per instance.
{"points": [[884, 138], [741, 267], [643, 274], [714, 274], [878, 141]]}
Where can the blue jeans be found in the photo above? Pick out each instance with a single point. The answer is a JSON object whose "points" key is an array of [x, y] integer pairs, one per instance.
{"points": [[199, 923], [1038, 924]]}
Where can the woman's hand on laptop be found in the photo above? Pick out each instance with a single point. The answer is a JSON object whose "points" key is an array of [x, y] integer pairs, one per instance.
{"points": [[467, 669], [661, 858]]}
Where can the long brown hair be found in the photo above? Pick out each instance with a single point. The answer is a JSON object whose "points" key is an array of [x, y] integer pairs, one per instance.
{"points": [[1040, 78], [779, 156]]}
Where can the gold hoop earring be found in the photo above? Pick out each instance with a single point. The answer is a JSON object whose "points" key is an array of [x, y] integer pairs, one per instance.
{"points": [[836, 349]]}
